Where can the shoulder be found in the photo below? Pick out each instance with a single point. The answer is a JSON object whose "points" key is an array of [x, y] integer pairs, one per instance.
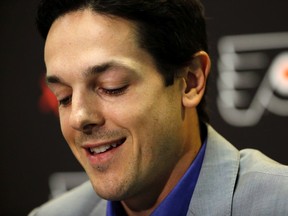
{"points": [[253, 161], [262, 185], [81, 200]]}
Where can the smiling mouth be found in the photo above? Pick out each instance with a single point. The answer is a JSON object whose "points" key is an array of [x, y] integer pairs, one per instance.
{"points": [[104, 148]]}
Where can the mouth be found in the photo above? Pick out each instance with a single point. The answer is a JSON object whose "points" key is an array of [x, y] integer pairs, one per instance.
{"points": [[105, 148]]}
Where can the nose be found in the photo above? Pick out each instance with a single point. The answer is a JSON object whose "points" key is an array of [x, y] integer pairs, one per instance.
{"points": [[85, 113]]}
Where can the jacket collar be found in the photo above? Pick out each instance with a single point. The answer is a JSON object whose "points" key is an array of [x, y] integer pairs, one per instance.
{"points": [[215, 187]]}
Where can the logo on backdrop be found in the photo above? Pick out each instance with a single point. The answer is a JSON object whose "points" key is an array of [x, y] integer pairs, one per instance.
{"points": [[47, 102], [253, 77]]}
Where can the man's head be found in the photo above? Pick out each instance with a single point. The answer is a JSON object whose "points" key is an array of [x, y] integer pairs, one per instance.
{"points": [[172, 31], [134, 129]]}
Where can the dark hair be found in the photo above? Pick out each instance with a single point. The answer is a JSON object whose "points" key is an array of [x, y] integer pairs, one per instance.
{"points": [[170, 30]]}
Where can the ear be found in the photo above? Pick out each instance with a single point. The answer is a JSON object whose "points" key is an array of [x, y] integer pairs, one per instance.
{"points": [[196, 74]]}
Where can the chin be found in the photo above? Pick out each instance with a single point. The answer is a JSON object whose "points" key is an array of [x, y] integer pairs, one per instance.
{"points": [[109, 191], [111, 195]]}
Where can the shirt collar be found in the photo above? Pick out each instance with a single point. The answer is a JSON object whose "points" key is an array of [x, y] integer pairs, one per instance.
{"points": [[178, 200]]}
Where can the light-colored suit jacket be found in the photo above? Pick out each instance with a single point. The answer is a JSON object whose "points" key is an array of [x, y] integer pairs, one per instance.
{"points": [[234, 183]]}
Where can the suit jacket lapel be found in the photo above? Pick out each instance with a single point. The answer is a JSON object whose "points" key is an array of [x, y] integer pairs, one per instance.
{"points": [[99, 209], [215, 186]]}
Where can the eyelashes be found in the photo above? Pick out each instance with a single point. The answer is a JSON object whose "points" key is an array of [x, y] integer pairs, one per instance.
{"points": [[112, 92], [65, 101]]}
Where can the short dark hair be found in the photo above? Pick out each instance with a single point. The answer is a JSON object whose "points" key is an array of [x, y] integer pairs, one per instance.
{"points": [[172, 31]]}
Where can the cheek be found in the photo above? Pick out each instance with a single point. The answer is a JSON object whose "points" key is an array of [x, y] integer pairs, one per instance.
{"points": [[63, 124], [153, 125], [69, 135], [149, 112], [125, 113], [66, 129]]}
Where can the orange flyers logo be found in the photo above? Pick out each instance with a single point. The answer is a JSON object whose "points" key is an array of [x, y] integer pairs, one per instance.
{"points": [[253, 77], [47, 102]]}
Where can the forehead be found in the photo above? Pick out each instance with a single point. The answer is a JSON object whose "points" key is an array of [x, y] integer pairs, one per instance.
{"points": [[84, 35], [81, 40], [85, 26], [91, 22]]}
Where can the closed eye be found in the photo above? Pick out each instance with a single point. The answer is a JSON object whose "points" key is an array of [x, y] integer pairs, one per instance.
{"points": [[65, 101], [114, 91]]}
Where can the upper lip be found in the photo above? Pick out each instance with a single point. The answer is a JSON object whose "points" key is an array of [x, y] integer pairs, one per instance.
{"points": [[91, 144]]}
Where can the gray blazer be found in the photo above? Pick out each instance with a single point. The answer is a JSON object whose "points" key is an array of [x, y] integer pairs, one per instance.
{"points": [[234, 183]]}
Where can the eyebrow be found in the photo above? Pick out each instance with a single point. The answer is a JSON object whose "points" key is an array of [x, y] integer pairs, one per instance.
{"points": [[92, 71], [52, 79], [98, 69]]}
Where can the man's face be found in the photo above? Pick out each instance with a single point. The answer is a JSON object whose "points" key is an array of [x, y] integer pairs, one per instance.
{"points": [[120, 120]]}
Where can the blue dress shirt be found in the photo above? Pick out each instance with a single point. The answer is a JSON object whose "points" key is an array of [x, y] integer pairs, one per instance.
{"points": [[178, 200]]}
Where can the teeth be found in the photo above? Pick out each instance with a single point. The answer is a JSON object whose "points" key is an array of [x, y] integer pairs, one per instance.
{"points": [[103, 148]]}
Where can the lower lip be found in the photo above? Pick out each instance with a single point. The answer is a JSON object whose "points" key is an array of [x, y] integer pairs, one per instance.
{"points": [[102, 158]]}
